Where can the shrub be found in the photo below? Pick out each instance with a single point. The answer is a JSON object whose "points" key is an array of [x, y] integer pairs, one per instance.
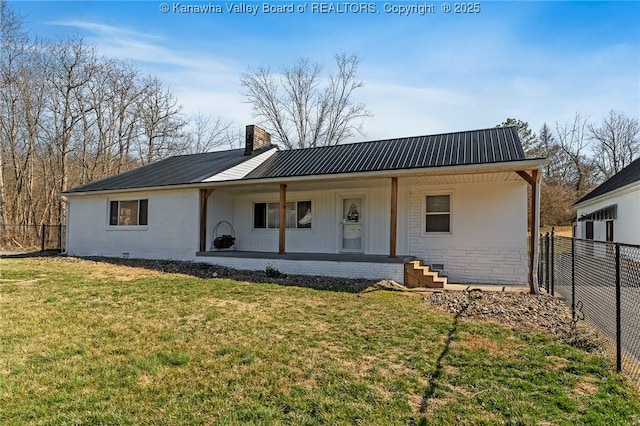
{"points": [[272, 272]]}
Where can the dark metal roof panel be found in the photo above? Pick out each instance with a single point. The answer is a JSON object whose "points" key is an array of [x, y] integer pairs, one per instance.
{"points": [[181, 169], [624, 177], [492, 145]]}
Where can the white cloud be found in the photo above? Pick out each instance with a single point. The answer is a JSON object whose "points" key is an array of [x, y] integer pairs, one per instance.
{"points": [[432, 88], [202, 82]]}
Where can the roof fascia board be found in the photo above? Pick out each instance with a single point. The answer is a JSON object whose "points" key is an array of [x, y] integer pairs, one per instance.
{"points": [[137, 189], [527, 164]]}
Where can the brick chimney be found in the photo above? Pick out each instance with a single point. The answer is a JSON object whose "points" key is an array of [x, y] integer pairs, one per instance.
{"points": [[255, 138]]}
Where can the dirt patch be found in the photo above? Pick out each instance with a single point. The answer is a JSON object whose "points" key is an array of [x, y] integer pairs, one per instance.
{"points": [[555, 362], [20, 282], [586, 386], [123, 276]]}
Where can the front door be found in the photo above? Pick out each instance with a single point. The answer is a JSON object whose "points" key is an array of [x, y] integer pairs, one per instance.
{"points": [[352, 216]]}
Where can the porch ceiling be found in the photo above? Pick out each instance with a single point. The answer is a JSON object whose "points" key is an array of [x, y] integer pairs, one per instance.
{"points": [[382, 182]]}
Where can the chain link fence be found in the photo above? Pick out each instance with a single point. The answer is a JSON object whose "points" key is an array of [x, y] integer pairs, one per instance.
{"points": [[25, 238], [601, 281]]}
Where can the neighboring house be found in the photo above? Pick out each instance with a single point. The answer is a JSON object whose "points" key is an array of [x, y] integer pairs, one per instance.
{"points": [[611, 212], [456, 201]]}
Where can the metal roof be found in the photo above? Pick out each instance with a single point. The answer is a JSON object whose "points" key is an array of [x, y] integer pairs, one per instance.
{"points": [[624, 177], [181, 169], [494, 145]]}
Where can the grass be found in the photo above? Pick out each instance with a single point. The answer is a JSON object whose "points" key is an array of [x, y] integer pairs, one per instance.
{"points": [[89, 343]]}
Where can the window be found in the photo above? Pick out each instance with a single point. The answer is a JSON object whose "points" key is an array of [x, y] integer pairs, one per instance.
{"points": [[267, 215], [609, 225], [128, 212], [588, 230], [438, 213]]}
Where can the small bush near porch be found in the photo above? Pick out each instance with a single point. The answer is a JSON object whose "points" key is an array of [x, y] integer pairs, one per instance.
{"points": [[90, 343]]}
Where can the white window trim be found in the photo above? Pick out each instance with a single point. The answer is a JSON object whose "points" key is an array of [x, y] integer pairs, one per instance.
{"points": [[423, 214], [127, 227], [295, 200]]}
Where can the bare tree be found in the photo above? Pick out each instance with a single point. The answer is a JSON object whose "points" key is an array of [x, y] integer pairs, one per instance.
{"points": [[115, 93], [72, 64], [68, 117], [616, 142], [550, 148], [12, 46], [299, 111], [162, 123], [578, 168], [206, 133]]}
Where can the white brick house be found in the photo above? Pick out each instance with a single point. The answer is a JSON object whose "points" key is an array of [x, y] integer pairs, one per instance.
{"points": [[611, 212], [455, 201]]}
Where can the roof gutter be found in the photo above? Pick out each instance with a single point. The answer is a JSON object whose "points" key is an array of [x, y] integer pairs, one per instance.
{"points": [[528, 164]]}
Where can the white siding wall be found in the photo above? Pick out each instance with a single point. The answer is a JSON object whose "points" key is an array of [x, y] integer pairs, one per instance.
{"points": [[172, 232], [626, 228], [488, 239], [219, 208], [324, 237]]}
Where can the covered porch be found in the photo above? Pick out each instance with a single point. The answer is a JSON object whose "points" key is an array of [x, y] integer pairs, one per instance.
{"points": [[390, 221]]}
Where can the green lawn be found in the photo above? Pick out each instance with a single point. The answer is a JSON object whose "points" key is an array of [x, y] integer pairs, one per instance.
{"points": [[89, 343]]}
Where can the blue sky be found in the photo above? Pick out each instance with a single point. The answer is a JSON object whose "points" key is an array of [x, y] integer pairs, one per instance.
{"points": [[536, 61]]}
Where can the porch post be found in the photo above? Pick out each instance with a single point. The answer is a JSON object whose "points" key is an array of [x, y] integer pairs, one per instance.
{"points": [[393, 229], [204, 195], [283, 219], [535, 226]]}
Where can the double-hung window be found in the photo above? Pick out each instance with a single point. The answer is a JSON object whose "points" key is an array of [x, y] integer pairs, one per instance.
{"points": [[267, 215], [438, 213], [128, 212]]}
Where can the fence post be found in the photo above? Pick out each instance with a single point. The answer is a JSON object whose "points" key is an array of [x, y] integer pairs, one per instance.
{"points": [[553, 261], [60, 237], [573, 278], [618, 313], [546, 262], [43, 230], [539, 266]]}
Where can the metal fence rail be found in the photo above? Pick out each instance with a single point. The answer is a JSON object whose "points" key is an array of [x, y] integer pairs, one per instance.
{"points": [[32, 237], [601, 281]]}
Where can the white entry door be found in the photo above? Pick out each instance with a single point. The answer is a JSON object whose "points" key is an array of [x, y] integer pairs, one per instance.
{"points": [[352, 214]]}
